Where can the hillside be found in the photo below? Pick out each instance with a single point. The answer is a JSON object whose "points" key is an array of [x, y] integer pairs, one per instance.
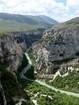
{"points": [[15, 22], [73, 23]]}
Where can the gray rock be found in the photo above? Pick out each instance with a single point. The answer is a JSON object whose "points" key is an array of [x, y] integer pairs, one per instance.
{"points": [[11, 52], [58, 46]]}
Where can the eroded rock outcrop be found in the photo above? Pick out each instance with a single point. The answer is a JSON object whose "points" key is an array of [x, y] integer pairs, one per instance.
{"points": [[57, 50], [11, 51], [11, 56]]}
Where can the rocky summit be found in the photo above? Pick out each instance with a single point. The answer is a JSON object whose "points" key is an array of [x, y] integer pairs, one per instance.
{"points": [[57, 50]]}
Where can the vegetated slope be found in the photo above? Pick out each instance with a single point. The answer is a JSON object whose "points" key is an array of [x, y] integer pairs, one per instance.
{"points": [[70, 23], [69, 82], [73, 21], [15, 22], [46, 96]]}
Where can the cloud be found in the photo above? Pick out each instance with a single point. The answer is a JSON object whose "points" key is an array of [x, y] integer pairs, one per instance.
{"points": [[57, 10], [11, 3], [73, 3], [1, 7], [44, 7]]}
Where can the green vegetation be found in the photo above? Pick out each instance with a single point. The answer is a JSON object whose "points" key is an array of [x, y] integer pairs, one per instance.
{"points": [[73, 23], [31, 88], [9, 26], [67, 26], [5, 33], [44, 101], [69, 82], [9, 83], [58, 98], [27, 103]]}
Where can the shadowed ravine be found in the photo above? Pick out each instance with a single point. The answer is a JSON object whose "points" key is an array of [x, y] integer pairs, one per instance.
{"points": [[40, 82]]}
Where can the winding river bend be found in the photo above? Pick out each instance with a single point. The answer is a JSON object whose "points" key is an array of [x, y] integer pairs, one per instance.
{"points": [[43, 83]]}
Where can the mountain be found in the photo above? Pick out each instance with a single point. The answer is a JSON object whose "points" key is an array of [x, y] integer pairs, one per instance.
{"points": [[15, 22]]}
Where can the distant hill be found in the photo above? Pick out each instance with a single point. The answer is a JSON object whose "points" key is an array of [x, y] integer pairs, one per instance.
{"points": [[15, 22], [70, 23], [73, 21]]}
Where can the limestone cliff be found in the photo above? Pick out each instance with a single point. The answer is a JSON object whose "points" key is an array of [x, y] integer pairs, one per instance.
{"points": [[11, 57], [57, 50], [11, 51]]}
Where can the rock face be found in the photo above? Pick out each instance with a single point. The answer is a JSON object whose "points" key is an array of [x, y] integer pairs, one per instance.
{"points": [[13, 44], [11, 51], [30, 36], [58, 49]]}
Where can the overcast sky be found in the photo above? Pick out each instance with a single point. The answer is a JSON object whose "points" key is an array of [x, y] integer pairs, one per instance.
{"points": [[60, 10]]}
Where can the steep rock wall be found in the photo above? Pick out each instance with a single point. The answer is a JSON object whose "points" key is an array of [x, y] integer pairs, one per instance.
{"points": [[58, 49], [11, 51]]}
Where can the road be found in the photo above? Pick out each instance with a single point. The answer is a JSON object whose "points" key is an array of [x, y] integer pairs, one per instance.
{"points": [[43, 83]]}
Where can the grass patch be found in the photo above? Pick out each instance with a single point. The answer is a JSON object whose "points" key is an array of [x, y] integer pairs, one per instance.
{"points": [[69, 82], [67, 26]]}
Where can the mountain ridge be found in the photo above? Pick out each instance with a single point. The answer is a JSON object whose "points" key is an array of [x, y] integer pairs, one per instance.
{"points": [[16, 22], [73, 23]]}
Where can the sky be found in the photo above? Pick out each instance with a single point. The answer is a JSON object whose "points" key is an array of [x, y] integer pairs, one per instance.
{"points": [[60, 10]]}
